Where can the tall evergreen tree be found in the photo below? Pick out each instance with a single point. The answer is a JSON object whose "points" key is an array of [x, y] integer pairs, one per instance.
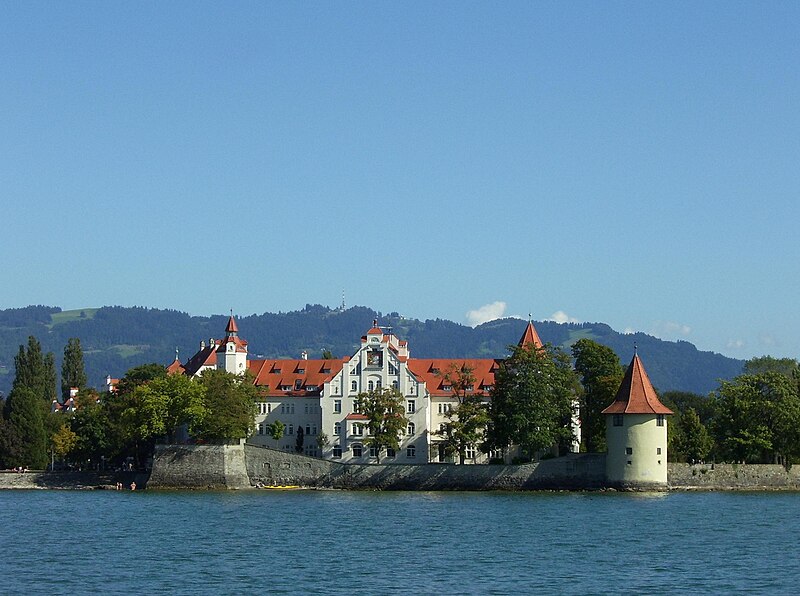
{"points": [[73, 373], [26, 417], [30, 367]]}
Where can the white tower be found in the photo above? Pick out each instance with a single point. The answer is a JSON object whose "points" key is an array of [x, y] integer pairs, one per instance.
{"points": [[232, 351], [636, 433]]}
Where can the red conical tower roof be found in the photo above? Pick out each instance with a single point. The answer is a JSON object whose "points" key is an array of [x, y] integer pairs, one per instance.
{"points": [[232, 327], [530, 337], [636, 394]]}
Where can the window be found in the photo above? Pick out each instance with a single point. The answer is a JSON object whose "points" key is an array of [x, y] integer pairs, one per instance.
{"points": [[658, 451], [283, 409], [659, 419], [298, 384], [261, 429], [392, 369], [353, 386], [358, 430], [442, 427], [337, 406], [470, 452], [306, 408], [378, 384], [617, 420], [337, 451], [390, 452], [357, 450], [412, 406], [395, 384], [373, 452], [291, 429], [628, 451], [308, 430], [411, 451], [370, 386], [337, 428], [314, 430], [411, 428], [269, 408], [630, 463], [447, 387]]}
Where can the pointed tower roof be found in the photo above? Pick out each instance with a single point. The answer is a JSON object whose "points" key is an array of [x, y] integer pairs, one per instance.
{"points": [[530, 337], [232, 328], [636, 394]]}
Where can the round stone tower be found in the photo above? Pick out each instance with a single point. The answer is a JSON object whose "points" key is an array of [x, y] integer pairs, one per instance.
{"points": [[636, 433]]}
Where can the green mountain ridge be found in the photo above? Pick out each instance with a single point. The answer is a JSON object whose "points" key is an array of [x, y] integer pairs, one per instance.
{"points": [[116, 338]]}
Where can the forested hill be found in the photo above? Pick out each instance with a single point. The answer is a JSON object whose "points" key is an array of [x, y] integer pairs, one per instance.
{"points": [[115, 339]]}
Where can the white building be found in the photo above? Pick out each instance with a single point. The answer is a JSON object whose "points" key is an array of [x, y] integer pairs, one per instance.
{"points": [[318, 396]]}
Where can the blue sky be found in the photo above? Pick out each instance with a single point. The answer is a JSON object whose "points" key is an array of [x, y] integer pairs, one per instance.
{"points": [[634, 163]]}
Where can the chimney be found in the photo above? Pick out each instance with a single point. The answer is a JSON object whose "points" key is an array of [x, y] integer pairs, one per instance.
{"points": [[202, 344], [304, 355]]}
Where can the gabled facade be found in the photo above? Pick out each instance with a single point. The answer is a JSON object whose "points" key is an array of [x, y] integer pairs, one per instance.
{"points": [[319, 395]]}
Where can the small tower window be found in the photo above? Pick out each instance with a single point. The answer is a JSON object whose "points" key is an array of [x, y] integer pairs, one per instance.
{"points": [[659, 419], [617, 420], [628, 451]]}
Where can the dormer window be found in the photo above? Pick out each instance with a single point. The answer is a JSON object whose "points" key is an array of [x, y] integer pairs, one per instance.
{"points": [[298, 384]]}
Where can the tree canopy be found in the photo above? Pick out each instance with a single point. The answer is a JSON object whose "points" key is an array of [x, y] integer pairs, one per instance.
{"points": [[532, 400], [601, 374], [386, 419]]}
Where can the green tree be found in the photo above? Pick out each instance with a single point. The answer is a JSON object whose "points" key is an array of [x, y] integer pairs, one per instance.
{"points": [[10, 445], [691, 441], [532, 400], [26, 416], [757, 418], [140, 375], [276, 430], [90, 423], [386, 419], [73, 372], [299, 439], [63, 441], [764, 364], [327, 354], [601, 374], [230, 402], [159, 407], [322, 441], [682, 401], [30, 368], [466, 422]]}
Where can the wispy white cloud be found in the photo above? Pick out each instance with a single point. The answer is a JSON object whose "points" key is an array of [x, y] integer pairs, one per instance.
{"points": [[561, 317], [629, 331], [486, 313], [736, 344], [670, 330]]}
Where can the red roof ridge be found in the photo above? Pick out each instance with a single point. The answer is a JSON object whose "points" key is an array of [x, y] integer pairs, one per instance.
{"points": [[636, 394]]}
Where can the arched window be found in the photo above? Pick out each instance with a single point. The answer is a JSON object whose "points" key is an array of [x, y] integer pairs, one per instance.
{"points": [[337, 428], [378, 384], [395, 385], [353, 386], [411, 429], [370, 386], [357, 450]]}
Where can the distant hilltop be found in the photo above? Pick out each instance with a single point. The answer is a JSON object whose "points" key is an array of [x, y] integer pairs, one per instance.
{"points": [[116, 338]]}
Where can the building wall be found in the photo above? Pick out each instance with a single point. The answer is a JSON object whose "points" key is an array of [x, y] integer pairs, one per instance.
{"points": [[637, 450]]}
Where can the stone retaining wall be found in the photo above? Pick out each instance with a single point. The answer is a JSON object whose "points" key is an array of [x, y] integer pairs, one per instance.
{"points": [[733, 477], [199, 466], [69, 480]]}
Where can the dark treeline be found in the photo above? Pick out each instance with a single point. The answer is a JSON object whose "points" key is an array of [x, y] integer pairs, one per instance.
{"points": [[116, 339]]}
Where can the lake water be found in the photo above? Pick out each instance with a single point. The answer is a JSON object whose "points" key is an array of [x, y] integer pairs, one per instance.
{"points": [[331, 542]]}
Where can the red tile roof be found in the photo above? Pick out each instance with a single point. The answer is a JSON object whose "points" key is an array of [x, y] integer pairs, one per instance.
{"points": [[432, 371], [277, 373], [530, 337], [232, 327], [636, 394], [355, 416], [175, 368]]}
